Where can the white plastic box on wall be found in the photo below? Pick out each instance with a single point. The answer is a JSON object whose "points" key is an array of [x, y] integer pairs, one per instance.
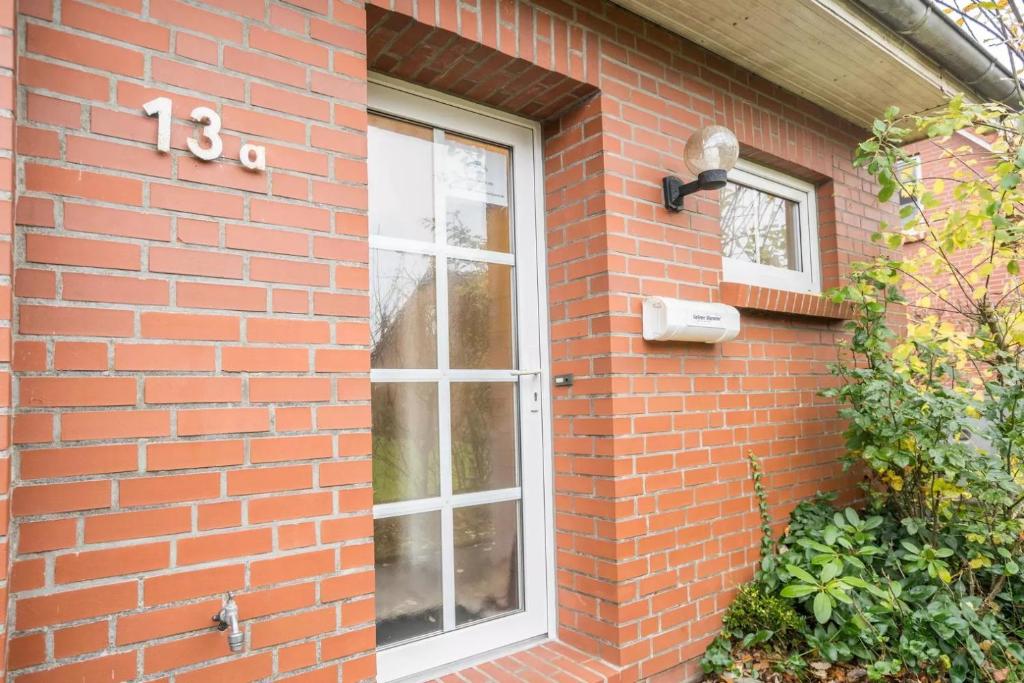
{"points": [[668, 319]]}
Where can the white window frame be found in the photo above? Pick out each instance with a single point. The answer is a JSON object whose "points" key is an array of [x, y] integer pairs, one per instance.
{"points": [[446, 651], [808, 279]]}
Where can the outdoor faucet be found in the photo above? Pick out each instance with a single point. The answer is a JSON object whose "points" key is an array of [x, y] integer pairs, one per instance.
{"points": [[227, 619]]}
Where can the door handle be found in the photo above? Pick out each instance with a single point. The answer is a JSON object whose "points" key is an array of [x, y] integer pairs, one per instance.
{"points": [[524, 373]]}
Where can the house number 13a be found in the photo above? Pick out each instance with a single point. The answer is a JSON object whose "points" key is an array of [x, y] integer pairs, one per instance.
{"points": [[253, 157]]}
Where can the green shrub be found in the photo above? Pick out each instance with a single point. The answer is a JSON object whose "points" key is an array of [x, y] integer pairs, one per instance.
{"points": [[755, 609]]}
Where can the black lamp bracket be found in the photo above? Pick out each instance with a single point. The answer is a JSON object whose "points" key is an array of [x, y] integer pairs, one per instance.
{"points": [[675, 189]]}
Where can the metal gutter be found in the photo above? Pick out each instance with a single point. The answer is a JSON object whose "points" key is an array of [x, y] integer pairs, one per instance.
{"points": [[930, 30]]}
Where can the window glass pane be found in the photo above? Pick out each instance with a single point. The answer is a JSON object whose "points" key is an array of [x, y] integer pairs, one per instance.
{"points": [[477, 184], [403, 310], [483, 436], [401, 178], [405, 441], [479, 314], [759, 227], [407, 560], [487, 571]]}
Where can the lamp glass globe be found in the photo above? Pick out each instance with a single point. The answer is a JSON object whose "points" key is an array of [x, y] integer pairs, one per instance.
{"points": [[711, 148]]}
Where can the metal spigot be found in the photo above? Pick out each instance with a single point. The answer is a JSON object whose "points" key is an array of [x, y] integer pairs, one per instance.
{"points": [[227, 620]]}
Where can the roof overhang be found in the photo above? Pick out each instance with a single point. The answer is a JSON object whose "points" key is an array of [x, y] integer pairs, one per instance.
{"points": [[831, 52]]}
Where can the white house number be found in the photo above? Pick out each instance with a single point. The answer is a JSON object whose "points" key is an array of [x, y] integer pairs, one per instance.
{"points": [[253, 157]]}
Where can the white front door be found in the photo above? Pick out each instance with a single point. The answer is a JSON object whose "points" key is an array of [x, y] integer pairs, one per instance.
{"points": [[458, 380]]}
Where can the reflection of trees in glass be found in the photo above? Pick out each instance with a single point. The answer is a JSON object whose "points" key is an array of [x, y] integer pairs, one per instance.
{"points": [[486, 560], [403, 310], [405, 441], [480, 314], [483, 436], [759, 227]]}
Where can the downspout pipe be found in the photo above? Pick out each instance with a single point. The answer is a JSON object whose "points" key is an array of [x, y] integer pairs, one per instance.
{"points": [[930, 30]]}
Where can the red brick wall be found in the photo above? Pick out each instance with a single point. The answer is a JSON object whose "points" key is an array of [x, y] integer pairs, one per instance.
{"points": [[191, 337], [191, 344]]}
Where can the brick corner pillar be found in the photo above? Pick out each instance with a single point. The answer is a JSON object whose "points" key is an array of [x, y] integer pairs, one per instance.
{"points": [[7, 194]]}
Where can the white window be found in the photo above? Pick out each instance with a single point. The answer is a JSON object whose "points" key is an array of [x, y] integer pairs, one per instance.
{"points": [[769, 230], [909, 173], [461, 441]]}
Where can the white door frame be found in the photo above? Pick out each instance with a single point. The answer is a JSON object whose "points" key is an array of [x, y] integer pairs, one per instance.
{"points": [[390, 96]]}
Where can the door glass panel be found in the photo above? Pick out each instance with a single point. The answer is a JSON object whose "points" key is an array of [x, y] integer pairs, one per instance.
{"points": [[405, 441], [487, 578], [403, 310], [447, 428], [479, 314], [400, 170], [477, 194], [483, 436], [407, 560]]}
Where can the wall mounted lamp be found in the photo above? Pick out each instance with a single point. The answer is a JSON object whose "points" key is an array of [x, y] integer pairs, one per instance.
{"points": [[710, 154]]}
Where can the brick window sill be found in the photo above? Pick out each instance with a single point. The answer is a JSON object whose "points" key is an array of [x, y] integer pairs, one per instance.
{"points": [[781, 301], [546, 661]]}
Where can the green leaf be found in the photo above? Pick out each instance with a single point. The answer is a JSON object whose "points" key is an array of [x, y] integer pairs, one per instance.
{"points": [[801, 574], [822, 608], [797, 590], [830, 571], [855, 581], [851, 514]]}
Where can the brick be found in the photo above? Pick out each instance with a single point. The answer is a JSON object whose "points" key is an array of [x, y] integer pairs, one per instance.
{"points": [[115, 290], [289, 389], [223, 546], [50, 498], [100, 564], [221, 297], [84, 184], [123, 526], [109, 221], [168, 489], [207, 81], [306, 447], [222, 421], [289, 272], [112, 155], [193, 454], [291, 48], [34, 73], [259, 359], [258, 239], [163, 357], [81, 252], [67, 461], [194, 262], [291, 567], [84, 322], [38, 392], [116, 667], [112, 25], [185, 326], [65, 606], [290, 507], [185, 585], [155, 624], [293, 627], [269, 480], [262, 66], [288, 331], [190, 17], [294, 215], [114, 425], [191, 200], [36, 537], [76, 640], [220, 515], [192, 390]]}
